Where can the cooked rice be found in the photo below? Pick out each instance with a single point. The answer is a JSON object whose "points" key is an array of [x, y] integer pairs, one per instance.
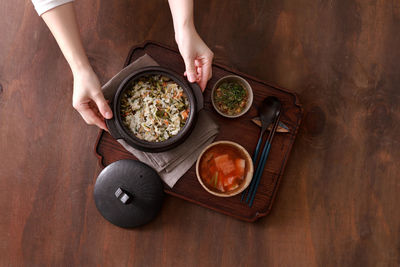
{"points": [[155, 108]]}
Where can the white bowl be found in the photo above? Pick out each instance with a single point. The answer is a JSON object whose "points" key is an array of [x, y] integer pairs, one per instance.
{"points": [[247, 178]]}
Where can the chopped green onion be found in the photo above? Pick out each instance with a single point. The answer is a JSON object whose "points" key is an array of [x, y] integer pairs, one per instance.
{"points": [[215, 179]]}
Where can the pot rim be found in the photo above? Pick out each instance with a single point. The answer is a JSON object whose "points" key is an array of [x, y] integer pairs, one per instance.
{"points": [[173, 141]]}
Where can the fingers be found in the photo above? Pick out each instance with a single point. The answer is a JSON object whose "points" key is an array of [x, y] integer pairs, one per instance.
{"points": [[205, 72], [91, 115], [102, 105], [88, 99], [199, 70], [190, 69]]}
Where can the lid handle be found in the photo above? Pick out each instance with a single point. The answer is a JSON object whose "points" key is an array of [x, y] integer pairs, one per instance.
{"points": [[122, 195]]}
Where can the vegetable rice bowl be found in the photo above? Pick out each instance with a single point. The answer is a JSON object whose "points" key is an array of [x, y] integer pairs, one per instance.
{"points": [[154, 108]]}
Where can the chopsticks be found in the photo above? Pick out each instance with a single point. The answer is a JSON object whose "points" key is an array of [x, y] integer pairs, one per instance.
{"points": [[252, 189]]}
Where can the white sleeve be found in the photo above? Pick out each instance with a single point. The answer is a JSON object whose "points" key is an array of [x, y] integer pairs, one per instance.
{"points": [[42, 6]]}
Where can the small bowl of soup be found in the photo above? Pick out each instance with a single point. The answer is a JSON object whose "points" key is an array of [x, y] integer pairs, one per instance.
{"points": [[224, 169], [232, 96]]}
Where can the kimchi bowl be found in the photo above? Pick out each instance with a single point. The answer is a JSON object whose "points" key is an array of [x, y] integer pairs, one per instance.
{"points": [[224, 169]]}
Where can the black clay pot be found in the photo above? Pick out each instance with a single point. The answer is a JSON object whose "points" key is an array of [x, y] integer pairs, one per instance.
{"points": [[119, 131]]}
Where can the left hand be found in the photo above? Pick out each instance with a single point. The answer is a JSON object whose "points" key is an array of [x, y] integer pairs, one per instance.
{"points": [[197, 57]]}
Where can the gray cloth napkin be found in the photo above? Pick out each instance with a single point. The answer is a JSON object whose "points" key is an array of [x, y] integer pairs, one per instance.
{"points": [[173, 164]]}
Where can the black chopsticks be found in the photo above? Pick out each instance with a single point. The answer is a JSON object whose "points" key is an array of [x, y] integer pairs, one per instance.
{"points": [[252, 189]]}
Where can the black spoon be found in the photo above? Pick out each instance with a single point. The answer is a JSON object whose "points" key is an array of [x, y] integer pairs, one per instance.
{"points": [[267, 113]]}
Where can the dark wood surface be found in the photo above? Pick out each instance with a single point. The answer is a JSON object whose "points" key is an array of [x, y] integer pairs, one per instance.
{"points": [[337, 204], [240, 130]]}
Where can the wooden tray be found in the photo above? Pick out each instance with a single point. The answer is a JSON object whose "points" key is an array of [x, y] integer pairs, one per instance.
{"points": [[241, 130]]}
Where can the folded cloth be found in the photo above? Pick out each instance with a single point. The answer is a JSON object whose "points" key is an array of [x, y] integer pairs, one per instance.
{"points": [[172, 164]]}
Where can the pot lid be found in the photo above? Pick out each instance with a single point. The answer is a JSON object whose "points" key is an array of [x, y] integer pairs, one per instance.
{"points": [[128, 193]]}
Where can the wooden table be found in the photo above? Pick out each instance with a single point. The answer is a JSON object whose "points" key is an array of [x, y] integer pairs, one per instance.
{"points": [[338, 201]]}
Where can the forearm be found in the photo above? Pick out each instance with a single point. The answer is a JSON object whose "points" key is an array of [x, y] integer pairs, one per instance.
{"points": [[195, 53], [63, 25], [182, 16]]}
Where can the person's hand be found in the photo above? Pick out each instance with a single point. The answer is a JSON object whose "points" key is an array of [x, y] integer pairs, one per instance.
{"points": [[88, 99], [196, 55]]}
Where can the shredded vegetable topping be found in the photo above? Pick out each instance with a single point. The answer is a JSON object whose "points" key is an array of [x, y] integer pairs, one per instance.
{"points": [[155, 108], [230, 98]]}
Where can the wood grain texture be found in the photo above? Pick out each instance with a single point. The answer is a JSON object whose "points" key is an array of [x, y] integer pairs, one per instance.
{"points": [[338, 201], [241, 130]]}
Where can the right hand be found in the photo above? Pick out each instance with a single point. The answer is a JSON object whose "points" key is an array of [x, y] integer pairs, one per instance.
{"points": [[196, 55], [88, 99]]}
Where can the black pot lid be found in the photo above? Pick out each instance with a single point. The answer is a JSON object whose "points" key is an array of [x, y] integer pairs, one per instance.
{"points": [[128, 193]]}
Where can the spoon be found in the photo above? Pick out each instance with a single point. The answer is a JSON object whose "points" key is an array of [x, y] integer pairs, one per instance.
{"points": [[267, 112]]}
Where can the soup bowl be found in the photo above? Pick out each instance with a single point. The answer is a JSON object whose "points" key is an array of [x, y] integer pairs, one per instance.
{"points": [[224, 148], [233, 79]]}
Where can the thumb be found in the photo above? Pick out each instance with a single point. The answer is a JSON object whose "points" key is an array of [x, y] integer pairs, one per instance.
{"points": [[190, 69], [103, 106]]}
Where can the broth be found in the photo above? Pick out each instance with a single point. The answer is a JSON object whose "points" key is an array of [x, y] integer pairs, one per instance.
{"points": [[223, 168], [230, 98]]}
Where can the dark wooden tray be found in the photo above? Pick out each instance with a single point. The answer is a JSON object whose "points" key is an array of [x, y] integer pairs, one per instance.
{"points": [[241, 130]]}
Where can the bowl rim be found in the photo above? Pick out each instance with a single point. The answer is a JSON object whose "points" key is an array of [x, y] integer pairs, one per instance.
{"points": [[245, 84], [247, 179]]}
